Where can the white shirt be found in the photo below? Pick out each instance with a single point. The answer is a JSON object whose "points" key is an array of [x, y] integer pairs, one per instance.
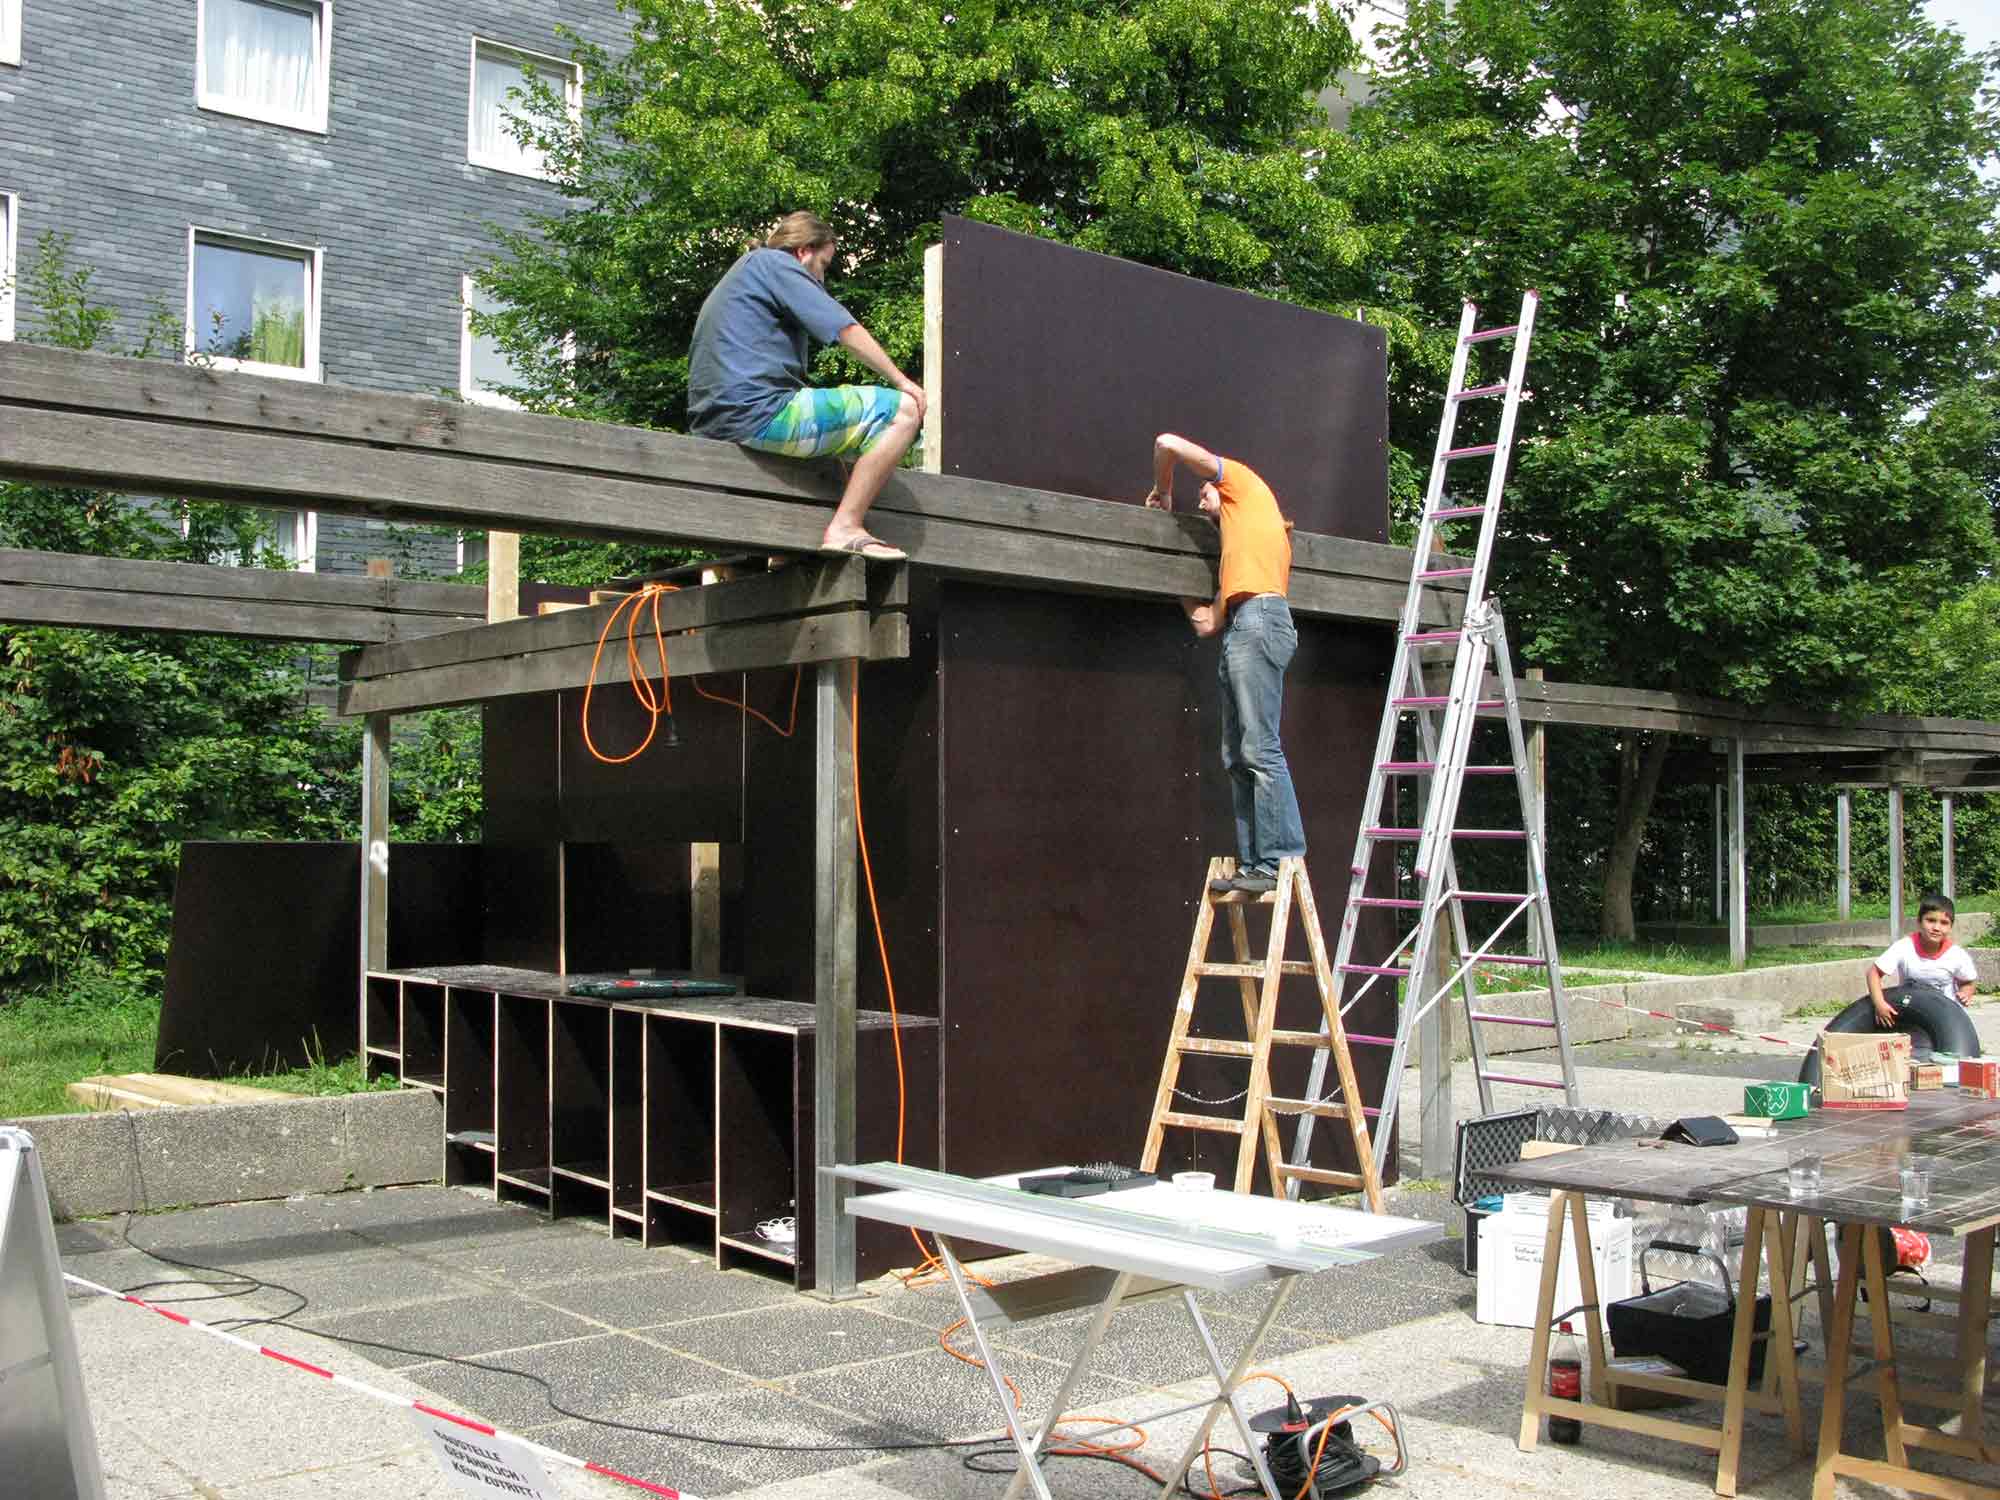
{"points": [[1942, 973]]}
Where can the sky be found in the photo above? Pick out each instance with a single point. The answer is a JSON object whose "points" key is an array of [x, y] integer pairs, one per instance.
{"points": [[1978, 21]]}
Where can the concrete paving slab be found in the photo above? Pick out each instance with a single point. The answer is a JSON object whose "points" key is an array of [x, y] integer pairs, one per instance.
{"points": [[687, 1467], [661, 1298], [807, 1439], [794, 1339], [938, 1397], [563, 1250], [1149, 1344], [456, 1327], [594, 1377]]}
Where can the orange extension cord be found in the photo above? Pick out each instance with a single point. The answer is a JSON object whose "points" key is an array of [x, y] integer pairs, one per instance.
{"points": [[929, 1268]]}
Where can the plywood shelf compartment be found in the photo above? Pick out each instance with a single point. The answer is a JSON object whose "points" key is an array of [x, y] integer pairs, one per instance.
{"points": [[535, 1180], [469, 1035], [382, 1015], [696, 1197], [596, 1173], [432, 1081], [759, 1248], [423, 1033]]}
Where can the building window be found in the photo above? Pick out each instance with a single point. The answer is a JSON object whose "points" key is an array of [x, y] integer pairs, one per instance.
{"points": [[500, 72], [266, 59], [10, 32], [10, 214], [297, 537], [483, 366], [253, 305]]}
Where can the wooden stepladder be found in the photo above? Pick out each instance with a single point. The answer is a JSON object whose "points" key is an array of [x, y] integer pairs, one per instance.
{"points": [[1258, 981]]}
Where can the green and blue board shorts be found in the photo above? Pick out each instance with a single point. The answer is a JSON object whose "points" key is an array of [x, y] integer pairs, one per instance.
{"points": [[837, 420]]}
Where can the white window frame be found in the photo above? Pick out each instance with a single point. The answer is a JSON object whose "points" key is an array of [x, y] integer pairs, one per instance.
{"points": [[10, 259], [466, 390], [10, 32], [314, 119], [542, 62], [315, 260]]}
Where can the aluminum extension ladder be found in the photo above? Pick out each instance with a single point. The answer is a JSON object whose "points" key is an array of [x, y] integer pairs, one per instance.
{"points": [[1442, 727]]}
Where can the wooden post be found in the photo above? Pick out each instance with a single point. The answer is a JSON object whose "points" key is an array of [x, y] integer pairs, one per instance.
{"points": [[705, 913], [1895, 859], [1721, 851], [834, 910], [1843, 824], [931, 459], [1538, 777], [375, 772], [1739, 882], [1950, 872], [1435, 1111], [503, 576]]}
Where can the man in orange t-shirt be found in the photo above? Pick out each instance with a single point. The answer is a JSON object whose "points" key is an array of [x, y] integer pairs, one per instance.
{"points": [[1258, 640]]}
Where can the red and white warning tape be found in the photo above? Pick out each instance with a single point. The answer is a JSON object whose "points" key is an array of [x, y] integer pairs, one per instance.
{"points": [[1640, 1010], [375, 1392]]}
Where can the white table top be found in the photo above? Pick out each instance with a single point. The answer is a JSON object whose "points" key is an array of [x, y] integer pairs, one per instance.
{"points": [[1151, 1231]]}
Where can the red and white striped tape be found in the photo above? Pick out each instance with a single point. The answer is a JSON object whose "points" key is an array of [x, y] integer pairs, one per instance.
{"points": [[375, 1392], [1640, 1010]]}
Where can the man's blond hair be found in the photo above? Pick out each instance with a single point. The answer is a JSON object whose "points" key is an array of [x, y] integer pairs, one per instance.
{"points": [[804, 230]]}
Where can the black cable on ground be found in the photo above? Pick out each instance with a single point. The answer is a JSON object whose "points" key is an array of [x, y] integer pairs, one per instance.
{"points": [[1007, 1452]]}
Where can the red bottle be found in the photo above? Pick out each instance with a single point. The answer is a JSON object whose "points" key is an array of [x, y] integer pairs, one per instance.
{"points": [[1565, 1382]]}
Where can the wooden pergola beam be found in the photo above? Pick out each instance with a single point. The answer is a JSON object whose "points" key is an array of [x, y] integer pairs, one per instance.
{"points": [[114, 593], [151, 427]]}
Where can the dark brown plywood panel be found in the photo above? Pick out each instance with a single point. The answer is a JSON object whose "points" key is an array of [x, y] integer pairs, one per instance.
{"points": [[685, 792], [522, 833], [626, 906], [1083, 795], [1060, 366], [264, 966]]}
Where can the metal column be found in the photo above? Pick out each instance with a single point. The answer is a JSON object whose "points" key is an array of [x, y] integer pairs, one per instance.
{"points": [[1950, 885], [1895, 860], [1843, 822], [1721, 851], [835, 879], [375, 776], [1739, 882]]}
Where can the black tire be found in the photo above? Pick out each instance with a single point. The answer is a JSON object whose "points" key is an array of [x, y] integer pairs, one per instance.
{"points": [[1934, 1023]]}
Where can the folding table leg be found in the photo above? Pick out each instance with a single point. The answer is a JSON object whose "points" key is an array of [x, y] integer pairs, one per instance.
{"points": [[1887, 1391], [1545, 1309], [1225, 1397], [1839, 1355], [1975, 1305], [1030, 1471], [1593, 1316], [1740, 1339], [1781, 1371]]}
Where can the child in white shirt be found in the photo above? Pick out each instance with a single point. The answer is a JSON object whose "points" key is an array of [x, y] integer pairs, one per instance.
{"points": [[1927, 957]]}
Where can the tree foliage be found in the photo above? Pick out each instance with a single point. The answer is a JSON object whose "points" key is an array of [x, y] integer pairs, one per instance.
{"points": [[1762, 453]]}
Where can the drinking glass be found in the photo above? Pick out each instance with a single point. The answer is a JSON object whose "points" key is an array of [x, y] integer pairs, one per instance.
{"points": [[1802, 1166], [1916, 1186]]}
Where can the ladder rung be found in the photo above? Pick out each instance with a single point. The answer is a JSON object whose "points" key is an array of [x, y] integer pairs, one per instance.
{"points": [[1215, 1046], [1513, 1020], [1319, 1174], [1242, 898], [1491, 333], [1488, 896], [1489, 770], [1430, 637], [1299, 1039], [1532, 1083], [1446, 573], [1453, 512], [1523, 959], [1375, 969], [1489, 833], [1370, 1041], [1248, 971], [1205, 1122], [1479, 390], [1402, 835], [1409, 767], [1320, 1109], [1393, 903], [1439, 702], [1477, 450]]}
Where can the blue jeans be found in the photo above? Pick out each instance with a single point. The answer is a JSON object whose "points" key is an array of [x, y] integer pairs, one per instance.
{"points": [[1257, 646]]}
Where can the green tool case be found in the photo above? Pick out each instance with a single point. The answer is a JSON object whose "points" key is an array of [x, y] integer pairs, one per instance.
{"points": [[1777, 1101]]}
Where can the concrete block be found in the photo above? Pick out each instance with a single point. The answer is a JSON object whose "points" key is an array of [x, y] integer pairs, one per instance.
{"points": [[1741, 1015], [227, 1153]]}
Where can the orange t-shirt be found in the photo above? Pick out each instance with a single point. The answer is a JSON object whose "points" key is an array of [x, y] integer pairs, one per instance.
{"points": [[1256, 540]]}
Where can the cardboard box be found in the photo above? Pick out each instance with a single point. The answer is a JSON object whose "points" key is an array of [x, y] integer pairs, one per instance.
{"points": [[1864, 1070], [1926, 1076], [1979, 1077], [1510, 1265]]}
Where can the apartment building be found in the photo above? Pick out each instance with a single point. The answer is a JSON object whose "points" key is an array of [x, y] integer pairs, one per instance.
{"points": [[303, 184]]}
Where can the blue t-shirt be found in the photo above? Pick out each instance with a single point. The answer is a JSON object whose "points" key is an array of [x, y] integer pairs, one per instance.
{"points": [[750, 343]]}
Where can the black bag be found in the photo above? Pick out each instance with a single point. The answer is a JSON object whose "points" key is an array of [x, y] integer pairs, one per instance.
{"points": [[1688, 1324], [1700, 1130]]}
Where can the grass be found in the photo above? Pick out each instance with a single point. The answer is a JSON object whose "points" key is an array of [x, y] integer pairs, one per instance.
{"points": [[1862, 911], [49, 1042]]}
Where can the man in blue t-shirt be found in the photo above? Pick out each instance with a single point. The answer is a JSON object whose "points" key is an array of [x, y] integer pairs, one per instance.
{"points": [[747, 375]]}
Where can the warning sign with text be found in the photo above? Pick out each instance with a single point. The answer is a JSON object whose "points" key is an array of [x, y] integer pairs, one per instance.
{"points": [[486, 1467]]}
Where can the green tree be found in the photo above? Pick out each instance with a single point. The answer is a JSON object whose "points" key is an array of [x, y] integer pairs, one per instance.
{"points": [[1761, 445], [1170, 131]]}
